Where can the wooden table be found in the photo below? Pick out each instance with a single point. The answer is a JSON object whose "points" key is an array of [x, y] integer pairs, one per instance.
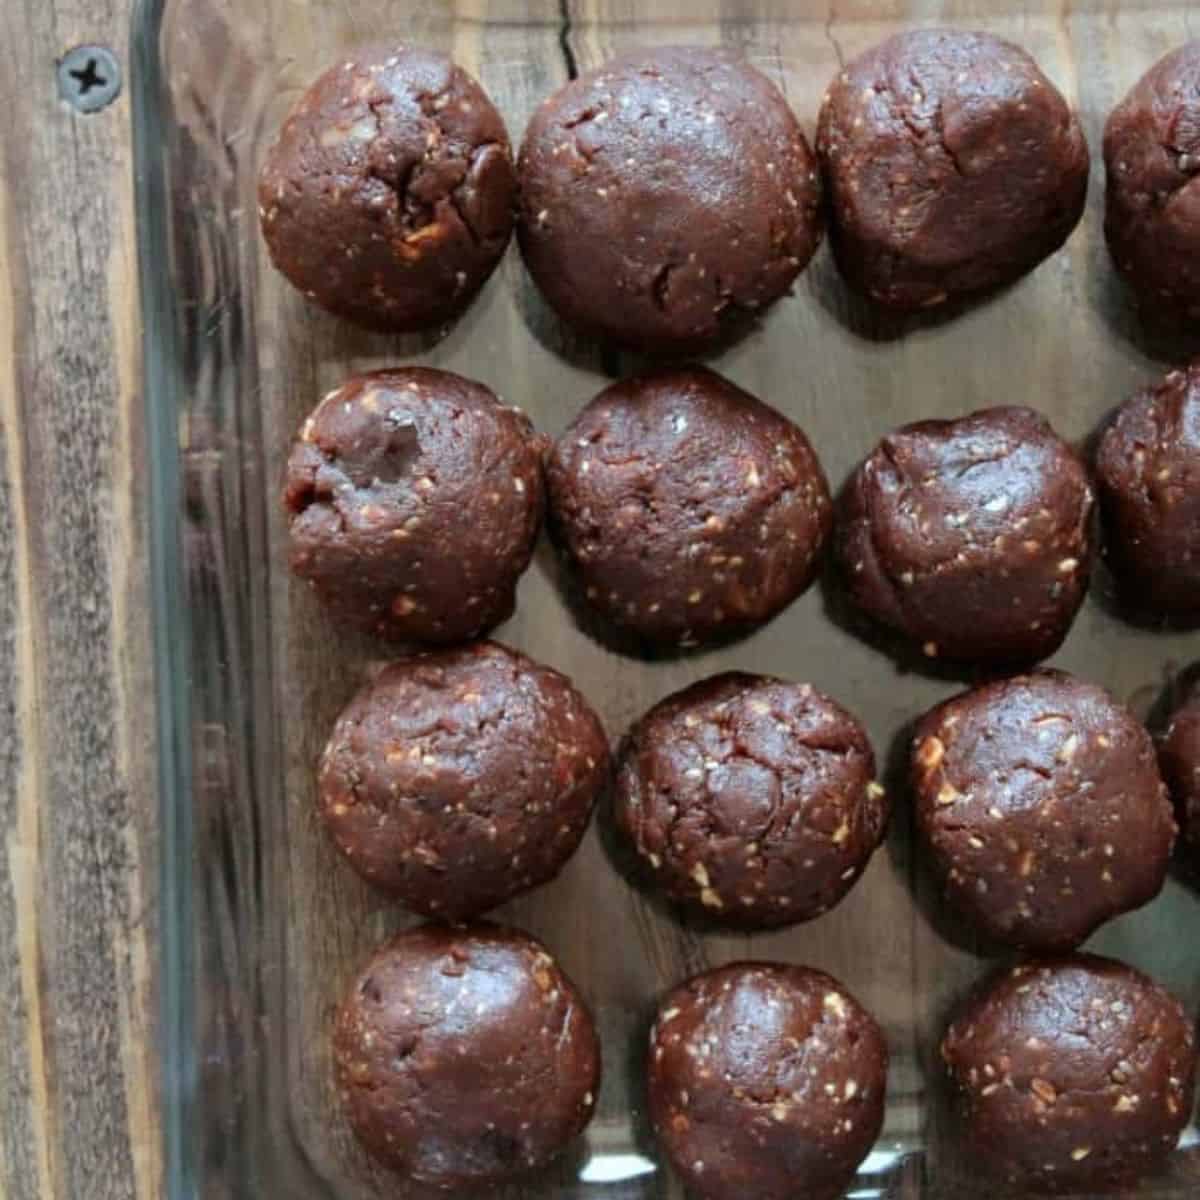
{"points": [[78, 1068]]}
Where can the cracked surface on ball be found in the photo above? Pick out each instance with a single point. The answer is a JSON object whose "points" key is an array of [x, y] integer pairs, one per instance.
{"points": [[389, 195], [751, 799]]}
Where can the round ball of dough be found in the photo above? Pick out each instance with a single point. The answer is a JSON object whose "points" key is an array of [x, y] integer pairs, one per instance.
{"points": [[460, 778], [464, 1056], [415, 498], [1040, 803], [689, 509], [1152, 157], [766, 1081], [388, 196], [971, 538], [751, 799], [1148, 477], [953, 165], [1075, 1075], [1179, 758], [666, 197]]}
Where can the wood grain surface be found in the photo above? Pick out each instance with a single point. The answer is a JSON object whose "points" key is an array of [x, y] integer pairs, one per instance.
{"points": [[78, 1065], [283, 923]]}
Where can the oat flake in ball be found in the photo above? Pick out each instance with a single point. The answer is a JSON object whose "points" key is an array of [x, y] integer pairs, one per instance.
{"points": [[465, 1057], [460, 778], [388, 196], [414, 499]]}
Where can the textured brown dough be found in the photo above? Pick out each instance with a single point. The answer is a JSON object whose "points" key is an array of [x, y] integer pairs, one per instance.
{"points": [[766, 1082], [389, 195], [1076, 1075], [465, 1057], [971, 537], [751, 799], [1148, 476], [1152, 159], [689, 509], [415, 499], [1040, 802], [1179, 757], [953, 165], [666, 197], [461, 778]]}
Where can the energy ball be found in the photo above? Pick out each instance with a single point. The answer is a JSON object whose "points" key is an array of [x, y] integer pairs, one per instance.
{"points": [[415, 498], [460, 778], [971, 538], [689, 509], [1152, 157], [666, 198], [751, 799], [388, 197], [1179, 758], [1076, 1075], [464, 1056], [1040, 803], [1148, 477], [766, 1081], [953, 166]]}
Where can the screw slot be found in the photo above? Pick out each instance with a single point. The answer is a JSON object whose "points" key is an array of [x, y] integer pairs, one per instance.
{"points": [[89, 78]]}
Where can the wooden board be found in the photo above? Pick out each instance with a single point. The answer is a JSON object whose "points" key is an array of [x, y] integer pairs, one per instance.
{"points": [[78, 1065]]}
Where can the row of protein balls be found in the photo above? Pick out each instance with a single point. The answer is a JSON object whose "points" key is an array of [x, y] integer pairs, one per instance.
{"points": [[457, 779], [460, 777], [669, 196], [466, 1057], [690, 511]]}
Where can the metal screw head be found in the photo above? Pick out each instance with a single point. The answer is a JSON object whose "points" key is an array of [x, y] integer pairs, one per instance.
{"points": [[89, 78]]}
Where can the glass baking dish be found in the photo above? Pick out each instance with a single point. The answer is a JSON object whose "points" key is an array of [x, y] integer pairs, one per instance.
{"points": [[261, 925]]}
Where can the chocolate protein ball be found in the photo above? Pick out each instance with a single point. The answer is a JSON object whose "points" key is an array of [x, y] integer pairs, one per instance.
{"points": [[1152, 157], [415, 498], [689, 509], [388, 197], [464, 1056], [953, 165], [972, 537], [1039, 801], [1148, 476], [751, 799], [460, 778], [765, 1081], [666, 197], [1076, 1075], [1179, 758]]}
